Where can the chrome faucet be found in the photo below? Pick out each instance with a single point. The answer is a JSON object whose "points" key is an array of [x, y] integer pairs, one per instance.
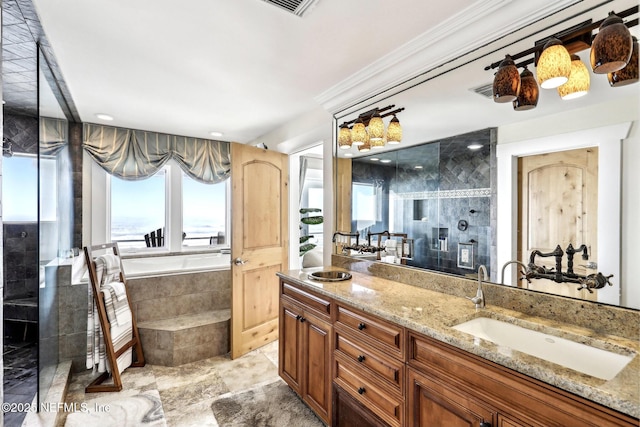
{"points": [[520, 263], [478, 300]]}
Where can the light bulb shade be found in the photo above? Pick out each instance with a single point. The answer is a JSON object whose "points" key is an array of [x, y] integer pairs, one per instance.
{"points": [[358, 133], [344, 137], [376, 128], [506, 83], [554, 65], [376, 143], [394, 132], [628, 74], [579, 80], [366, 145], [529, 92], [612, 47]]}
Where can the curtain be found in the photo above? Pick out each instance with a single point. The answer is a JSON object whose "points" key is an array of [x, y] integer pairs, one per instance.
{"points": [[134, 154], [53, 135]]}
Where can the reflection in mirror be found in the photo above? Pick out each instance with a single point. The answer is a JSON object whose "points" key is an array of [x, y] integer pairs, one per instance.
{"points": [[534, 202], [438, 194]]}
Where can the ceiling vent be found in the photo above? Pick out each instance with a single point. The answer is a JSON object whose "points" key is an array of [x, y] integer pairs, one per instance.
{"points": [[485, 90], [297, 7]]}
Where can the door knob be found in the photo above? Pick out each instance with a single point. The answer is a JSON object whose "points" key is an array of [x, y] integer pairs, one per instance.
{"points": [[240, 261]]}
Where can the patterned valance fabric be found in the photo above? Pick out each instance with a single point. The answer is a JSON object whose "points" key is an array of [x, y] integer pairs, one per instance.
{"points": [[135, 154], [54, 134]]}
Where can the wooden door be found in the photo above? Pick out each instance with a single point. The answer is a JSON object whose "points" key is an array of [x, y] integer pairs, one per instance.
{"points": [[432, 403], [558, 205], [259, 244], [317, 364]]}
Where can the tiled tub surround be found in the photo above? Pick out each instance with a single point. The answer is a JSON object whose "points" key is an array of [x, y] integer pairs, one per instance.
{"points": [[433, 313], [182, 317]]}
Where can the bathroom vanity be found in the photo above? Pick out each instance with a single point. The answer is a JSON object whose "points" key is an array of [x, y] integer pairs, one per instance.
{"points": [[372, 351]]}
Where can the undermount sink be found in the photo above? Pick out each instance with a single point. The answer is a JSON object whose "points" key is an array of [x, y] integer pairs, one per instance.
{"points": [[330, 276], [589, 360]]}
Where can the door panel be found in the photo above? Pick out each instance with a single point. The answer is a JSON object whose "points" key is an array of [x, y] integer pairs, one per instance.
{"points": [[259, 243], [558, 205]]}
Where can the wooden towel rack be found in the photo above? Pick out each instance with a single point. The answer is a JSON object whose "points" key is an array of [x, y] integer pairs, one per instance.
{"points": [[112, 355]]}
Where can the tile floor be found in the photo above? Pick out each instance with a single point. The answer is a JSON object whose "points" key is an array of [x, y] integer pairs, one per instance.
{"points": [[20, 379], [242, 392]]}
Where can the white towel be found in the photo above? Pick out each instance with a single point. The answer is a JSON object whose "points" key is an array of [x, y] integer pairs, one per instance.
{"points": [[119, 290]]}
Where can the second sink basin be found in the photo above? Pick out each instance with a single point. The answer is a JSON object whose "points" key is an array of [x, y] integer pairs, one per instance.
{"points": [[589, 360]]}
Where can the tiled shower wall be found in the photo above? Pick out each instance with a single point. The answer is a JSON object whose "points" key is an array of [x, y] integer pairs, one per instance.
{"points": [[454, 184]]}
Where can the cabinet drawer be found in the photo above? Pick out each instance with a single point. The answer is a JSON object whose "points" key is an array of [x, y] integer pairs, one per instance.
{"points": [[321, 305], [385, 368], [388, 406], [379, 333]]}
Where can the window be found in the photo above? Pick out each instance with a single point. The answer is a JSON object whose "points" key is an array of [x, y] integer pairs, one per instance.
{"points": [[137, 208], [20, 188], [190, 215], [204, 212]]}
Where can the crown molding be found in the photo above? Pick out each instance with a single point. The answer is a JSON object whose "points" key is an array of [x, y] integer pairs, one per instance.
{"points": [[438, 46]]}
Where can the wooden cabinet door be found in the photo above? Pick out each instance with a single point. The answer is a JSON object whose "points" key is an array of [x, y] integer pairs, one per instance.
{"points": [[316, 353], [434, 403], [290, 345]]}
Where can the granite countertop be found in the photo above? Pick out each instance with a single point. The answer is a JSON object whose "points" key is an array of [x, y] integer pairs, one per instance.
{"points": [[434, 314]]}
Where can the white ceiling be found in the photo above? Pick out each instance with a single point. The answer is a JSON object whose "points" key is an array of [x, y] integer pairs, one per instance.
{"points": [[246, 68]]}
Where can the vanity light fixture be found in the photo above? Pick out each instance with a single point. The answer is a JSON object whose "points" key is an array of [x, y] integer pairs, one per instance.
{"points": [[529, 92], [611, 52], [554, 65], [103, 116], [377, 144], [628, 74], [344, 137], [579, 80], [394, 131], [366, 145], [506, 83], [376, 127], [358, 133], [612, 47]]}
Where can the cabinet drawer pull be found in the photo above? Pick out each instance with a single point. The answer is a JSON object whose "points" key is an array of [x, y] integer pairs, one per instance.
{"points": [[361, 358], [302, 319], [361, 390], [298, 317], [362, 326]]}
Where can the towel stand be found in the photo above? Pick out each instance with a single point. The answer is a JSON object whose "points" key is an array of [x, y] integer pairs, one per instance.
{"points": [[112, 355]]}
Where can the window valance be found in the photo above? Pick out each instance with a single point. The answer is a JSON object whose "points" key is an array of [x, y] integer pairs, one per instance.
{"points": [[54, 135], [135, 154]]}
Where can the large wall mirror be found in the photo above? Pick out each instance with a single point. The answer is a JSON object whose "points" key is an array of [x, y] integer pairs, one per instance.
{"points": [[474, 182]]}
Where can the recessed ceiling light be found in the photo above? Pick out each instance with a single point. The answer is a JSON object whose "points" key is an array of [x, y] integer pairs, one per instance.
{"points": [[215, 133], [474, 146], [385, 161], [417, 167], [348, 154], [374, 159], [103, 116]]}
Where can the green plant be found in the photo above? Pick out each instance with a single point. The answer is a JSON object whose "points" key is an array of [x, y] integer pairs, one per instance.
{"points": [[305, 245]]}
